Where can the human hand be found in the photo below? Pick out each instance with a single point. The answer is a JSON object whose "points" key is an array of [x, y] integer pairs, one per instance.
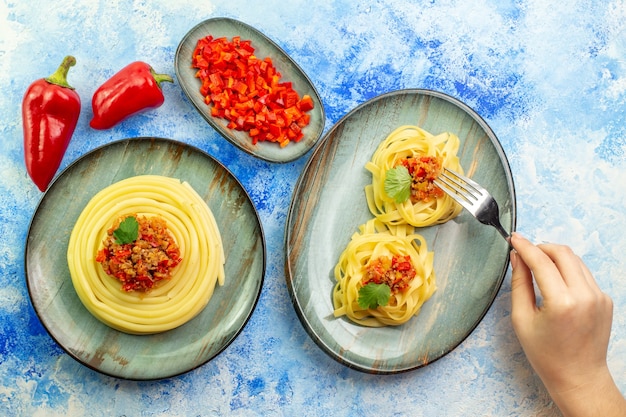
{"points": [[565, 333]]}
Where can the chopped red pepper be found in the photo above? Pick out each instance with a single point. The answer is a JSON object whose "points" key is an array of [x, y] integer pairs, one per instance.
{"points": [[306, 104], [247, 91]]}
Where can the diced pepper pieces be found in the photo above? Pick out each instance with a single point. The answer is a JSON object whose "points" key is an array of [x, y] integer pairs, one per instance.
{"points": [[248, 92]]}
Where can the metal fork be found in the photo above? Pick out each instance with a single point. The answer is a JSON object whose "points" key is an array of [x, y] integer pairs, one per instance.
{"points": [[473, 197]]}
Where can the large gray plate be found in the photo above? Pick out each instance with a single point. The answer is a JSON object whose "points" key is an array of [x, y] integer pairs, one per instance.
{"points": [[264, 47], [144, 357], [329, 204]]}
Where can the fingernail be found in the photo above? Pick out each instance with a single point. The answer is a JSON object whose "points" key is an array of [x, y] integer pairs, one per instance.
{"points": [[517, 236]]}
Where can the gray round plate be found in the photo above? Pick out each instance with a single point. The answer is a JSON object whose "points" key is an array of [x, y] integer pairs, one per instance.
{"points": [[144, 357], [329, 204], [264, 47]]}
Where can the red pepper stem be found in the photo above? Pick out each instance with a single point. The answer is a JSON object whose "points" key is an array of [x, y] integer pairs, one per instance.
{"points": [[159, 78], [60, 75]]}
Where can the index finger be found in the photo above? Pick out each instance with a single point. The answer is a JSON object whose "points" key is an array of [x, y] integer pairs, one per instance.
{"points": [[546, 273], [570, 266]]}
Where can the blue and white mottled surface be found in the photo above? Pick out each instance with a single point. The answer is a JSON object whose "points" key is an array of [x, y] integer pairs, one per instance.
{"points": [[549, 77]]}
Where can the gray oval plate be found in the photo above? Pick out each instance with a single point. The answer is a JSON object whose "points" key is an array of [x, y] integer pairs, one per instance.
{"points": [[329, 204], [144, 357], [224, 27]]}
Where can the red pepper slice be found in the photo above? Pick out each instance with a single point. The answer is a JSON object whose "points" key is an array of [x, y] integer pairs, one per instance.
{"points": [[135, 88], [50, 111]]}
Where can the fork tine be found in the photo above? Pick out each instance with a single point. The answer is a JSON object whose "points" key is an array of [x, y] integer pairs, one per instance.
{"points": [[462, 192], [452, 192], [473, 197], [466, 184]]}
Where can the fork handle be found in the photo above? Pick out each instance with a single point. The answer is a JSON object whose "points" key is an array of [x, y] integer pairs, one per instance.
{"points": [[503, 232]]}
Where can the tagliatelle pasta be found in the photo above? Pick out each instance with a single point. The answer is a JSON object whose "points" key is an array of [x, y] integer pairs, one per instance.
{"points": [[411, 142], [173, 302], [373, 241]]}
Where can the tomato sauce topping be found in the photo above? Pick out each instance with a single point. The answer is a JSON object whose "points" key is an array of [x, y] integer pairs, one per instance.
{"points": [[424, 170], [141, 264], [396, 272]]}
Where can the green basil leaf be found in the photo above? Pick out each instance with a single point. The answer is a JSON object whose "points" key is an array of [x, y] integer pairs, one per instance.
{"points": [[398, 183], [127, 231], [373, 295]]}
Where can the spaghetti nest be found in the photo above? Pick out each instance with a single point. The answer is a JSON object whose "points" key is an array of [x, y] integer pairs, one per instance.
{"points": [[172, 302], [373, 242], [411, 143]]}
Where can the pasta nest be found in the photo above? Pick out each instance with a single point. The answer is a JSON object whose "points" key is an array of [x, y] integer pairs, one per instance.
{"points": [[374, 240], [411, 141], [173, 302]]}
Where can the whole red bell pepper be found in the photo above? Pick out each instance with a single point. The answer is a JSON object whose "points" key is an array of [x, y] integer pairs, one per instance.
{"points": [[50, 111], [134, 88]]}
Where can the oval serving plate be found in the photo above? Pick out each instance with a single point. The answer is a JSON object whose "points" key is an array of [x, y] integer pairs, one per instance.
{"points": [[329, 204], [264, 47], [144, 357]]}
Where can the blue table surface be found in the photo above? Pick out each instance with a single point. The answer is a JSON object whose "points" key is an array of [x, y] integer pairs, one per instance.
{"points": [[548, 77]]}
